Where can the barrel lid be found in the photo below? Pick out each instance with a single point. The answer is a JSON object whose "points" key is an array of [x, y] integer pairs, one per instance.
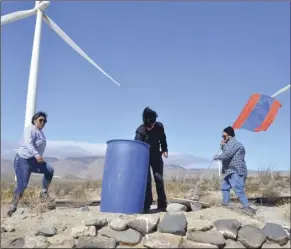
{"points": [[127, 140]]}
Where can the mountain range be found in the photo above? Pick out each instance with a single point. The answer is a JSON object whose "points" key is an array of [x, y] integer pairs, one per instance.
{"points": [[86, 160]]}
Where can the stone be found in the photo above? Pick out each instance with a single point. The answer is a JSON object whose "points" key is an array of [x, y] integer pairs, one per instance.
{"points": [[96, 242], [98, 222], [214, 238], [85, 209], [7, 228], [35, 242], [162, 240], [199, 225], [19, 211], [231, 223], [129, 236], [47, 230], [275, 233], [61, 239], [251, 237], [191, 244], [80, 231], [176, 207], [228, 227], [144, 224], [233, 244], [174, 224], [270, 244], [118, 224], [287, 245], [47, 206], [195, 206], [15, 243]]}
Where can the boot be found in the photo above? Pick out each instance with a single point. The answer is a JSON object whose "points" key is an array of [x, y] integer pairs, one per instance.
{"points": [[44, 197]]}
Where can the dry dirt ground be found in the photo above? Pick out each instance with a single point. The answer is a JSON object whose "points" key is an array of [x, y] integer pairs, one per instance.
{"points": [[266, 184]]}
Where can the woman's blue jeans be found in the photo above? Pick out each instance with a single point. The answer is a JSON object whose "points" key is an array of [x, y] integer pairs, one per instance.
{"points": [[237, 183], [23, 169]]}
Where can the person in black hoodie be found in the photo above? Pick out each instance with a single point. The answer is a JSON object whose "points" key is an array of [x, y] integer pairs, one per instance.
{"points": [[153, 133]]}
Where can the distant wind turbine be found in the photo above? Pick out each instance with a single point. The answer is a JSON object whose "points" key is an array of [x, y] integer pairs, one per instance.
{"points": [[39, 8]]}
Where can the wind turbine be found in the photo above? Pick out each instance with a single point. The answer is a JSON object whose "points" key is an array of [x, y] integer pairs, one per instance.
{"points": [[39, 8]]}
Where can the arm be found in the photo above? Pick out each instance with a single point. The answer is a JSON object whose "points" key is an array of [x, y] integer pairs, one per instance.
{"points": [[139, 134], [227, 153], [28, 138], [163, 140]]}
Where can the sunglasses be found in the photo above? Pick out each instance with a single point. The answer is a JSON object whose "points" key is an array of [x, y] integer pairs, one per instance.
{"points": [[41, 120]]}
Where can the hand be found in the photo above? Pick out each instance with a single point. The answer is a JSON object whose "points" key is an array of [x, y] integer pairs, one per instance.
{"points": [[222, 143], [39, 159], [165, 154], [215, 157]]}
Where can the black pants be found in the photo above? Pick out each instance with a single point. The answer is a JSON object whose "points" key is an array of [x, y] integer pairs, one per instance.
{"points": [[157, 165]]}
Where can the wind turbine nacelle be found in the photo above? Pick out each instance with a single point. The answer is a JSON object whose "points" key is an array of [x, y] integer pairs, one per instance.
{"points": [[43, 5]]}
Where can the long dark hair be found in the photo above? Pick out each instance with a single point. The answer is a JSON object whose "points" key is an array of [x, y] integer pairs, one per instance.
{"points": [[149, 116]]}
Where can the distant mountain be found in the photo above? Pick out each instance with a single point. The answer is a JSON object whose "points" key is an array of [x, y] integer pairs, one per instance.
{"points": [[87, 153]]}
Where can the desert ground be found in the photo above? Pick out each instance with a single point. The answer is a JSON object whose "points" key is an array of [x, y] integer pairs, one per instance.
{"points": [[67, 220]]}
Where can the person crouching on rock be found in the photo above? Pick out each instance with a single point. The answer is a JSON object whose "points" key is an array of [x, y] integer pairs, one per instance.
{"points": [[234, 169], [29, 159], [153, 133]]}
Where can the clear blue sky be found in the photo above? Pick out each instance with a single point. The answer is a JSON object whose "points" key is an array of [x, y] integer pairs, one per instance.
{"points": [[195, 63]]}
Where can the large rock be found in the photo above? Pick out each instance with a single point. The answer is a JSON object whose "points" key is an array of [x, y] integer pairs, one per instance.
{"points": [[275, 233], [61, 240], [96, 242], [270, 244], [228, 227], [12, 242], [83, 231], [173, 223], [35, 242], [98, 222], [214, 238], [162, 240], [144, 224], [191, 244], [199, 225], [47, 230], [118, 224], [130, 236], [176, 207], [251, 237], [195, 206], [233, 244]]}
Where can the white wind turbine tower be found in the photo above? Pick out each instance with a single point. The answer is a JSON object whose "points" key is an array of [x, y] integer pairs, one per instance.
{"points": [[39, 8]]}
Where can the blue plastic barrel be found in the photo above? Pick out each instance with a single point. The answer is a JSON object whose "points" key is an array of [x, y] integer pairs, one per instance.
{"points": [[125, 176]]}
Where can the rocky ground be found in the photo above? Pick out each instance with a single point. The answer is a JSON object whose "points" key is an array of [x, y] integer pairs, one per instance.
{"points": [[87, 227]]}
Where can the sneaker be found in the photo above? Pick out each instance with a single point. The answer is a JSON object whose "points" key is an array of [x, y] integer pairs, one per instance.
{"points": [[147, 210], [249, 210], [44, 196], [11, 211]]}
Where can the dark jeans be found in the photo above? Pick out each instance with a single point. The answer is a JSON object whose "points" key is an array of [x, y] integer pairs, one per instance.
{"points": [[157, 165], [23, 169]]}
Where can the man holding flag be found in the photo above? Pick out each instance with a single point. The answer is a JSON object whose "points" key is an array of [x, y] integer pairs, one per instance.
{"points": [[233, 168]]}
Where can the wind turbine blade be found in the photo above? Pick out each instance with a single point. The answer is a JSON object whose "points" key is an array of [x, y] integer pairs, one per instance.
{"points": [[18, 15], [74, 46]]}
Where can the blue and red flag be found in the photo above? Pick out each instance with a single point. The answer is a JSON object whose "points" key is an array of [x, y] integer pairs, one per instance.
{"points": [[258, 114]]}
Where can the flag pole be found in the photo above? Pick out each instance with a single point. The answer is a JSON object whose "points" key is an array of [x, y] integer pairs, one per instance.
{"points": [[284, 89]]}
